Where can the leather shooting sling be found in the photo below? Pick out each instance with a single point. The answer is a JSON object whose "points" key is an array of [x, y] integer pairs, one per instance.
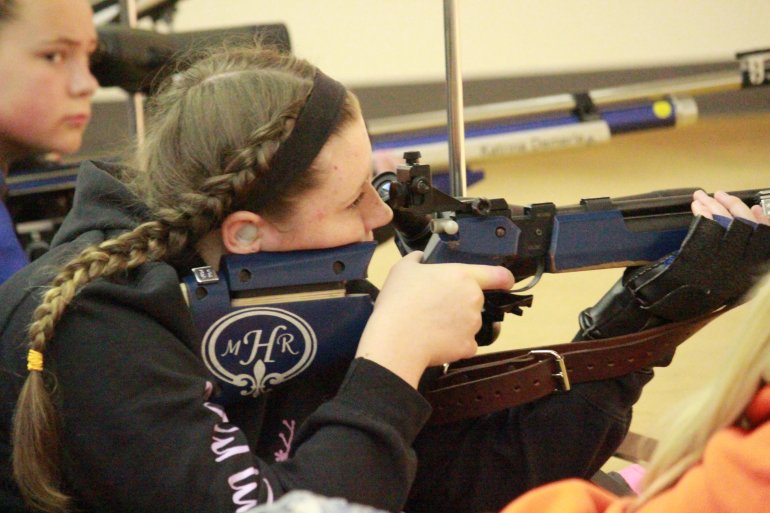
{"points": [[496, 381]]}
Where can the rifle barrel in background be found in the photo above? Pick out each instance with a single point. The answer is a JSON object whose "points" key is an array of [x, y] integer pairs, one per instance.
{"points": [[564, 120]]}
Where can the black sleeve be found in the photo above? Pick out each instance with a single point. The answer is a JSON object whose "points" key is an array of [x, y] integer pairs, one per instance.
{"points": [[359, 446], [481, 464], [139, 435]]}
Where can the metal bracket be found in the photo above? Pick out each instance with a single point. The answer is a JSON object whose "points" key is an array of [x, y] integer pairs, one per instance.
{"points": [[205, 275], [764, 201]]}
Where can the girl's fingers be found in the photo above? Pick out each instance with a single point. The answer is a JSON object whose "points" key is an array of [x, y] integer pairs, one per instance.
{"points": [[698, 209], [734, 205], [759, 215], [711, 204]]}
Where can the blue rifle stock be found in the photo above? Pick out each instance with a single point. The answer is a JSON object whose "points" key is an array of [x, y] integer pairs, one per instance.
{"points": [[266, 318]]}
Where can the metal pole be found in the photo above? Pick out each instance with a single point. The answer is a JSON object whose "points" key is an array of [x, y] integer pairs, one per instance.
{"points": [[456, 123], [129, 18]]}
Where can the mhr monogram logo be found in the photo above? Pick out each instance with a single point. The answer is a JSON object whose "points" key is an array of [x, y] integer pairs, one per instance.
{"points": [[254, 349]]}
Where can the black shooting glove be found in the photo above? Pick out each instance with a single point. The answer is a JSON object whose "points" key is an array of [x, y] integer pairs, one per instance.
{"points": [[718, 262]]}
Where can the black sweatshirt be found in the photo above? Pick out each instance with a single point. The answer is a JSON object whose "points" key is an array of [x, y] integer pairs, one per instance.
{"points": [[139, 432]]}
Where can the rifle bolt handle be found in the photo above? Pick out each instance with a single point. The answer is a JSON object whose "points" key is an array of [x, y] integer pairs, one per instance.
{"points": [[448, 226]]}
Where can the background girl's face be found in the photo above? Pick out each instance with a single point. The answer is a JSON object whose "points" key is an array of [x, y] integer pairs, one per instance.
{"points": [[45, 98]]}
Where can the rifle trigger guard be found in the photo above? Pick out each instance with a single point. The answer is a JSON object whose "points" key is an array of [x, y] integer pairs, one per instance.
{"points": [[535, 279]]}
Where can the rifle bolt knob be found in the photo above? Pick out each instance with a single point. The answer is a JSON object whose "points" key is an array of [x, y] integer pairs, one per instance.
{"points": [[448, 226]]}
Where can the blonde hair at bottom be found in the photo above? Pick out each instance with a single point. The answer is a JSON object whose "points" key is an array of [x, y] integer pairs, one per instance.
{"points": [[721, 403]]}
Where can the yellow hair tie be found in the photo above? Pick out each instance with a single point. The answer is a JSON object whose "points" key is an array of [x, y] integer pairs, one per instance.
{"points": [[34, 361]]}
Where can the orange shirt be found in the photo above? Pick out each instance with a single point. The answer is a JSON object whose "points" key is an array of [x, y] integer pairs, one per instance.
{"points": [[733, 477]]}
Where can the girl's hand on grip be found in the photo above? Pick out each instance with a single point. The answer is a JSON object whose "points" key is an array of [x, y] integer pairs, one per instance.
{"points": [[428, 314]]}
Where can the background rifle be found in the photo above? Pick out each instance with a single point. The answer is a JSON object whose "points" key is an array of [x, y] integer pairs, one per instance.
{"points": [[581, 118]]}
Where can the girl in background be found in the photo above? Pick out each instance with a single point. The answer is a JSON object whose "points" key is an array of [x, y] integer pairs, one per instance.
{"points": [[45, 97]]}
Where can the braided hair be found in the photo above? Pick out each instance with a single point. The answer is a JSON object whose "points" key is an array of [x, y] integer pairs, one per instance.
{"points": [[213, 128]]}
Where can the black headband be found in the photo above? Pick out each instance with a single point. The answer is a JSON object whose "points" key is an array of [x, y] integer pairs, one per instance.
{"points": [[314, 125]]}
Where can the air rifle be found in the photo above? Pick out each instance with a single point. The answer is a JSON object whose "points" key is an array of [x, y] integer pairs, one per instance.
{"points": [[541, 237], [266, 318]]}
